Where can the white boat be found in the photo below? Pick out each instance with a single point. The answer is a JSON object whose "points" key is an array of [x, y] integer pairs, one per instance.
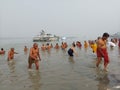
{"points": [[45, 37]]}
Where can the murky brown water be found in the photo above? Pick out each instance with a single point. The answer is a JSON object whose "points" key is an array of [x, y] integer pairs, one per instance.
{"points": [[59, 72]]}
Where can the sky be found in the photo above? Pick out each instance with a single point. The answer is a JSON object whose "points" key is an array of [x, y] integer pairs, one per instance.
{"points": [[79, 18]]}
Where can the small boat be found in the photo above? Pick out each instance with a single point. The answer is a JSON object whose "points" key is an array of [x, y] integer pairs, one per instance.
{"points": [[45, 37]]}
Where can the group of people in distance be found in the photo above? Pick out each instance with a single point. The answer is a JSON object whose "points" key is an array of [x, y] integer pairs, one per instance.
{"points": [[98, 46], [101, 50]]}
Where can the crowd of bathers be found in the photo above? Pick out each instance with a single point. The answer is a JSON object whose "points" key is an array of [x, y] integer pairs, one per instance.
{"points": [[64, 45], [98, 46]]}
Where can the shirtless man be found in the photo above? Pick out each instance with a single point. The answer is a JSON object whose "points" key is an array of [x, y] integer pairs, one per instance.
{"points": [[56, 46], [43, 47], [25, 49], [11, 54], [2, 51], [34, 56], [102, 51]]}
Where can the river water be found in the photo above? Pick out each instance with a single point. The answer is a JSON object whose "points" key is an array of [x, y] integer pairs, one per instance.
{"points": [[57, 70]]}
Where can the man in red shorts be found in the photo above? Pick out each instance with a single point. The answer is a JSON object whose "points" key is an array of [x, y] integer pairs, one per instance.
{"points": [[102, 51]]}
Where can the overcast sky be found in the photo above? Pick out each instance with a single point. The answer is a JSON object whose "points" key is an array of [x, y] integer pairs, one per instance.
{"points": [[83, 18]]}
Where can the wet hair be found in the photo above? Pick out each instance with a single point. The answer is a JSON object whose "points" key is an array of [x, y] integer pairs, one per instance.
{"points": [[73, 44], [105, 34], [47, 44], [2, 49]]}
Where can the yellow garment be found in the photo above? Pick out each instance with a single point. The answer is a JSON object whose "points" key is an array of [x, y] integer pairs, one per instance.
{"points": [[94, 47], [85, 44]]}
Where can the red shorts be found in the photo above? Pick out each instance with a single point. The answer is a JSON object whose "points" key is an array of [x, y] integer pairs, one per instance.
{"points": [[103, 53], [119, 44]]}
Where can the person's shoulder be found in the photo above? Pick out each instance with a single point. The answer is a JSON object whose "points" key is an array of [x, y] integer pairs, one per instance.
{"points": [[31, 48], [99, 40]]}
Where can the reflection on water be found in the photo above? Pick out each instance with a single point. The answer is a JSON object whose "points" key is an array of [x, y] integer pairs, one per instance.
{"points": [[103, 79], [111, 48], [13, 76], [34, 76], [58, 71], [11, 65], [71, 59]]}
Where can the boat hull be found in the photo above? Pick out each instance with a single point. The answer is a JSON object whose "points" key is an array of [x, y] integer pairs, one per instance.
{"points": [[47, 39]]}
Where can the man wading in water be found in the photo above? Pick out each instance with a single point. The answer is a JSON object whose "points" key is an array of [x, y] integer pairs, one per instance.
{"points": [[102, 51], [34, 56]]}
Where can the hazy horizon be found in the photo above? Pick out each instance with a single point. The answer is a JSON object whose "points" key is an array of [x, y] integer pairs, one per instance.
{"points": [[79, 18]]}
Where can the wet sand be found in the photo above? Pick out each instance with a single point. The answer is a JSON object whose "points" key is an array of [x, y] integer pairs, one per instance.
{"points": [[60, 72]]}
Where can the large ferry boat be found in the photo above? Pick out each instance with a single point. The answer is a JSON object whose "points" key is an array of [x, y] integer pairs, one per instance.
{"points": [[46, 37]]}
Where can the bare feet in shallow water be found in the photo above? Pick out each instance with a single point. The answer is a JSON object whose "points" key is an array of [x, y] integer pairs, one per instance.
{"points": [[106, 70], [97, 67]]}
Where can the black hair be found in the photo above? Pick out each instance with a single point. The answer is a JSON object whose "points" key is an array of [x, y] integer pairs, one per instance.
{"points": [[2, 49], [105, 34], [73, 44]]}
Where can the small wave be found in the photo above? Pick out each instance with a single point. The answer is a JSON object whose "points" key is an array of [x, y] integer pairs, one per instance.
{"points": [[117, 86]]}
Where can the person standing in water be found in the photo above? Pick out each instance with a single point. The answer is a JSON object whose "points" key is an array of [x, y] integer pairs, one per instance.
{"points": [[25, 49], [34, 56], [11, 54], [102, 51], [2, 51], [57, 46], [72, 50], [119, 43]]}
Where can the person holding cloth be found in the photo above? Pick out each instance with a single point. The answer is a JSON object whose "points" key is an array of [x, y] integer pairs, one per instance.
{"points": [[34, 56]]}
